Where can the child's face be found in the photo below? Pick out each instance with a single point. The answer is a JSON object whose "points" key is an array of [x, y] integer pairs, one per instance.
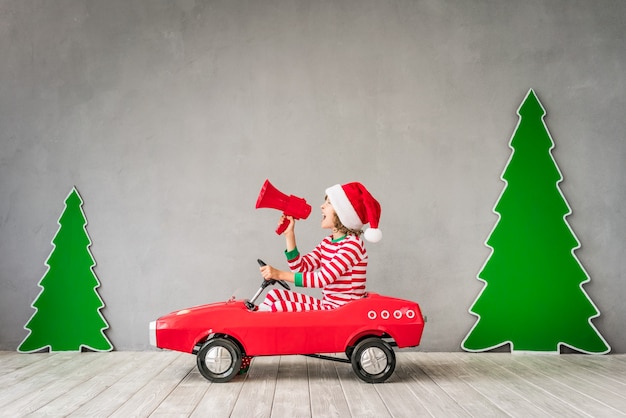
{"points": [[328, 215]]}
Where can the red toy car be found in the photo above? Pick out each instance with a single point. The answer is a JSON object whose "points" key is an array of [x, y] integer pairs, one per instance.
{"points": [[222, 333]]}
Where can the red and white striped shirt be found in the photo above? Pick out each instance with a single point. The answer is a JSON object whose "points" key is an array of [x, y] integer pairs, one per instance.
{"points": [[337, 266]]}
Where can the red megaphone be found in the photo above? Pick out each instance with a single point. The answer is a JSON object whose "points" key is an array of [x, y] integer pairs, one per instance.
{"points": [[270, 197]]}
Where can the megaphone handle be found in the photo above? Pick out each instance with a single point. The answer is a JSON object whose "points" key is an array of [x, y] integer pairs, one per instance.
{"points": [[281, 228]]}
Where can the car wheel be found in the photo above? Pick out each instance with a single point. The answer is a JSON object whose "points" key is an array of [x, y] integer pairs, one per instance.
{"points": [[373, 360], [349, 351], [219, 360]]}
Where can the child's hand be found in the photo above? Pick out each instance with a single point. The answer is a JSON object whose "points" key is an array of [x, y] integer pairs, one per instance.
{"points": [[269, 272], [291, 226]]}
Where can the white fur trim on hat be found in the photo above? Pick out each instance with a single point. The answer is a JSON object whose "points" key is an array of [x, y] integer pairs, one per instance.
{"points": [[373, 234], [343, 207]]}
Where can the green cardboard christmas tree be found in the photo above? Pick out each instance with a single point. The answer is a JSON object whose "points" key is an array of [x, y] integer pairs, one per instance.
{"points": [[533, 297], [67, 310]]}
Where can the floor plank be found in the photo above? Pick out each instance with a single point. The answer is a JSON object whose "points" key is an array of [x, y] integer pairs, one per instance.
{"points": [[255, 398], [326, 393], [432, 396], [399, 398], [143, 368], [55, 376], [362, 398], [220, 399], [9, 362], [583, 385], [292, 378], [497, 386], [20, 381], [182, 401], [542, 396], [149, 397], [450, 378], [84, 384], [168, 384]]}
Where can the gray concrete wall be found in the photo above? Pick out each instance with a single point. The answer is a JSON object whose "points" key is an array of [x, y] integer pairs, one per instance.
{"points": [[168, 115]]}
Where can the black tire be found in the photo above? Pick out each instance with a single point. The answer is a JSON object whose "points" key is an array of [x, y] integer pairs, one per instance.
{"points": [[349, 351], [219, 360], [373, 360]]}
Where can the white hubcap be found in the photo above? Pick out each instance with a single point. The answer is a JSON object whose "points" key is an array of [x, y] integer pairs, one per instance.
{"points": [[373, 360], [218, 360]]}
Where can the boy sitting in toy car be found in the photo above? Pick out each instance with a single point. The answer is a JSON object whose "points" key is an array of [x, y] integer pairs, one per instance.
{"points": [[338, 264]]}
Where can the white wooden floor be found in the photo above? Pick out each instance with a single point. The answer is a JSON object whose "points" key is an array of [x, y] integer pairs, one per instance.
{"points": [[141, 384]]}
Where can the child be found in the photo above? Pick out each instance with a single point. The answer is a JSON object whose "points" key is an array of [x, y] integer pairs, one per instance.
{"points": [[338, 264]]}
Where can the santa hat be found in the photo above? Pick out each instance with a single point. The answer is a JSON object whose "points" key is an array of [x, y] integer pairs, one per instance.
{"points": [[356, 207]]}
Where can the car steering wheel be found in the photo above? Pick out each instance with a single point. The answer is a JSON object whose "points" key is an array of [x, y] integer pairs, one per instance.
{"points": [[272, 281]]}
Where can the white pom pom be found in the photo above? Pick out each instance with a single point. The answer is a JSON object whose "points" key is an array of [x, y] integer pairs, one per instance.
{"points": [[373, 234]]}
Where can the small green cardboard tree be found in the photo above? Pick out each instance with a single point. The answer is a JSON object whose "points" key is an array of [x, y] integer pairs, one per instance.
{"points": [[533, 297], [67, 310]]}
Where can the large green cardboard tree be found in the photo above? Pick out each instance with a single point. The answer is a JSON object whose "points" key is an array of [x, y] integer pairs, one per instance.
{"points": [[533, 297], [67, 310]]}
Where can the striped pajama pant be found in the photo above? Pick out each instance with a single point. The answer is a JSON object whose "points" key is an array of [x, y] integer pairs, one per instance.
{"points": [[280, 300]]}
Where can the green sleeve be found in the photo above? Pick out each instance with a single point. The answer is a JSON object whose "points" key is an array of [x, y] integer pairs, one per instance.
{"points": [[292, 254], [297, 279]]}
